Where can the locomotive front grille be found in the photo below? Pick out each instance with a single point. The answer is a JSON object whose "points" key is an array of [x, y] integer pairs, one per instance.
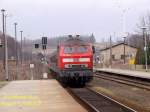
{"points": [[76, 65]]}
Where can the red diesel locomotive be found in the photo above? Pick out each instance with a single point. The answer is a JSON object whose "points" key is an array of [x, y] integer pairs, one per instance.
{"points": [[73, 62]]}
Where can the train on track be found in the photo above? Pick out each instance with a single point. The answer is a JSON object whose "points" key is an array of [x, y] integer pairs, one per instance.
{"points": [[72, 62]]}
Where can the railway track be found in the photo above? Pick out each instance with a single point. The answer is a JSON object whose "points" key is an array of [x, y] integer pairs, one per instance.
{"points": [[131, 81], [96, 102]]}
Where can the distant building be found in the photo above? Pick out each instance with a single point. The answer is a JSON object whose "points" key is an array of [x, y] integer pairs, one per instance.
{"points": [[99, 46], [117, 53]]}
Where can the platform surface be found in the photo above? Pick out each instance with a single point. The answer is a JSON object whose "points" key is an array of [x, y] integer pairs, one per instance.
{"points": [[140, 74], [37, 96]]}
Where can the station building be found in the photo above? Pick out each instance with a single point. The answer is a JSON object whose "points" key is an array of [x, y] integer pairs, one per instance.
{"points": [[117, 56]]}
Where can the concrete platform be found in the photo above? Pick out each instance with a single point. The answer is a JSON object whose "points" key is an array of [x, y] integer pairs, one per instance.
{"points": [[145, 75], [37, 96]]}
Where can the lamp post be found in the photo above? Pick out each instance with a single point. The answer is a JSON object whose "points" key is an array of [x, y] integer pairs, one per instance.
{"points": [[21, 46], [5, 61], [24, 46], [145, 45], [6, 50], [16, 52], [3, 40]]}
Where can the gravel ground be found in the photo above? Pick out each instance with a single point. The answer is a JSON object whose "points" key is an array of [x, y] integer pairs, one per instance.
{"points": [[136, 98]]}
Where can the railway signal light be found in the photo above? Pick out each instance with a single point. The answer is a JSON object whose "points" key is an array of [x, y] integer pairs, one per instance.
{"points": [[44, 47], [69, 36], [36, 46], [78, 36], [1, 45], [44, 40]]}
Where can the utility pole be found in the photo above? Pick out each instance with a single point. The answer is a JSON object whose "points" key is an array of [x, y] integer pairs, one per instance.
{"points": [[21, 46], [145, 47], [5, 58], [16, 52], [110, 52], [3, 26]]}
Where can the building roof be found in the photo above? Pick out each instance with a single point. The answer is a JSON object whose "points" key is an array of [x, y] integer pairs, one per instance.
{"points": [[122, 43]]}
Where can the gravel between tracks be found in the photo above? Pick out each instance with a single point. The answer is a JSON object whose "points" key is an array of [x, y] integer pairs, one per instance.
{"points": [[139, 99]]}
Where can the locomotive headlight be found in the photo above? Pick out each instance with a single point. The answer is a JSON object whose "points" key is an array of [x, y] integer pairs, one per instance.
{"points": [[67, 60], [84, 59], [67, 66], [76, 60]]}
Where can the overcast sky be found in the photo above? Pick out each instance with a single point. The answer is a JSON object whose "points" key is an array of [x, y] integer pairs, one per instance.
{"points": [[60, 17]]}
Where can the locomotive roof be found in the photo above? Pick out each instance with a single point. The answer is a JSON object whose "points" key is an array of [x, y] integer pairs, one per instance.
{"points": [[85, 38], [73, 41]]}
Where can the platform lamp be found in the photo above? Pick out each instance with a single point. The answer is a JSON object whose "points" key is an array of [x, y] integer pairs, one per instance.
{"points": [[21, 46], [5, 44], [3, 39]]}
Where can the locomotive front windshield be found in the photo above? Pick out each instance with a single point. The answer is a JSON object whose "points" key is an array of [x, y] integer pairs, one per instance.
{"points": [[75, 49]]}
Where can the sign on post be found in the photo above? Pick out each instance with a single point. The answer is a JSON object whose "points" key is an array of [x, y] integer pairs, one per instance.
{"points": [[45, 75], [31, 65], [132, 61]]}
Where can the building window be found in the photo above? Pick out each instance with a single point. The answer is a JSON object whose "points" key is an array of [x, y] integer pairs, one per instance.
{"points": [[122, 56], [113, 57]]}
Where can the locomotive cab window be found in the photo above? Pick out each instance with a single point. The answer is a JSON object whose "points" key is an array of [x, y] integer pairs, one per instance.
{"points": [[69, 50], [75, 49], [82, 49]]}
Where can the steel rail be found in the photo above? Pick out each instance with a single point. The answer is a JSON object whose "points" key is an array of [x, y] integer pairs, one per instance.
{"points": [[82, 101], [123, 80], [97, 102], [111, 99]]}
